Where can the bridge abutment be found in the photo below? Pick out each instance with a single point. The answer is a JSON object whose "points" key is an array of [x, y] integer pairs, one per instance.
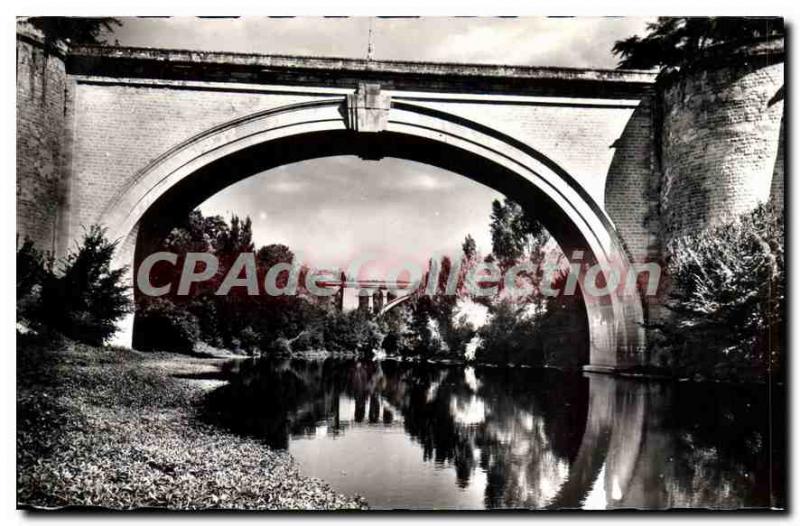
{"points": [[721, 137], [41, 138]]}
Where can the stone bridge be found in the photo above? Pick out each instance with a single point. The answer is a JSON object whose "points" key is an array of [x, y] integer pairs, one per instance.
{"points": [[373, 296], [613, 163]]}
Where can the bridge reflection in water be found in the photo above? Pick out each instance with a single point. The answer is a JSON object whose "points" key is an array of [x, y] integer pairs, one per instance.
{"points": [[432, 436]]}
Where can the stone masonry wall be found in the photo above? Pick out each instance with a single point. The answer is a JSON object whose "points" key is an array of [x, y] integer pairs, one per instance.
{"points": [[120, 128], [41, 81], [777, 195], [632, 185], [721, 135]]}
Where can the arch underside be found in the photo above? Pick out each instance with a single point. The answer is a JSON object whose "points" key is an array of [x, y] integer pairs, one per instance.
{"points": [[175, 183]]}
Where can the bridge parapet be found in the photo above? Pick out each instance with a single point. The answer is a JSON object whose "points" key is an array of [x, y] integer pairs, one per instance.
{"points": [[349, 72]]}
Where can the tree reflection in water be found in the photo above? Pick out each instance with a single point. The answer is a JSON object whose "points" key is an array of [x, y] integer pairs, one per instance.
{"points": [[536, 435]]}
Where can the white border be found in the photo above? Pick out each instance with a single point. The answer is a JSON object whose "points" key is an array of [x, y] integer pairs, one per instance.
{"points": [[788, 9]]}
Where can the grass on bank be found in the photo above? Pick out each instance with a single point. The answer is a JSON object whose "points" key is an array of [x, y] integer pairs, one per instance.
{"points": [[114, 428]]}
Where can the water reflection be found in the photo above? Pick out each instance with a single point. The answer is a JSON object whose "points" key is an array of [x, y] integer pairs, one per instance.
{"points": [[436, 436]]}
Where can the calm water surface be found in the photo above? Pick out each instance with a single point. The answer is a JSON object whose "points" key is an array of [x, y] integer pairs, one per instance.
{"points": [[453, 437]]}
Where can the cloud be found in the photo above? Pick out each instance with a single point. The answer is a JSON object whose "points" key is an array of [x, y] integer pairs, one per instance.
{"points": [[397, 209], [299, 36], [566, 42], [571, 42], [285, 187]]}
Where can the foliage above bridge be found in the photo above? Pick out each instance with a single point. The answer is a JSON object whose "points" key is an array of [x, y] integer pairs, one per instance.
{"points": [[673, 42]]}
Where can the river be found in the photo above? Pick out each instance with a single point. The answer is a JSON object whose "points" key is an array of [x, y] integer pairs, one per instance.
{"points": [[430, 436]]}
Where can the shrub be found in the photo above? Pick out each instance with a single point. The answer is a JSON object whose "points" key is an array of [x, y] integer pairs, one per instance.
{"points": [[279, 346], [248, 340], [87, 299], [728, 296], [510, 336], [372, 337], [161, 325], [458, 336], [398, 336], [206, 309], [305, 341], [32, 269], [351, 332]]}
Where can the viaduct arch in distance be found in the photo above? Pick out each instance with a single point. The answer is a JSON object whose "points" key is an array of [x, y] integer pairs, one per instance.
{"points": [[145, 135]]}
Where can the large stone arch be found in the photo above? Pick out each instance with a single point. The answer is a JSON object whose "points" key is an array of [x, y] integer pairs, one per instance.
{"points": [[185, 175]]}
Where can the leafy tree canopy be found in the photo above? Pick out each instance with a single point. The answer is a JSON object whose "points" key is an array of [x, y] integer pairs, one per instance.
{"points": [[75, 30], [672, 42], [273, 254], [469, 247], [728, 296], [85, 299], [515, 234]]}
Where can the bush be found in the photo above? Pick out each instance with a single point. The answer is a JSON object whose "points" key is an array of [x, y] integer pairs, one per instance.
{"points": [[398, 337], [510, 336], [32, 269], [459, 334], [310, 339], [85, 300], [161, 325], [351, 332], [280, 346], [88, 299], [728, 297], [373, 337], [205, 308], [248, 340]]}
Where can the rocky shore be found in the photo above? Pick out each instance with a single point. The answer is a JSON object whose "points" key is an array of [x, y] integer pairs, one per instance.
{"points": [[115, 428]]}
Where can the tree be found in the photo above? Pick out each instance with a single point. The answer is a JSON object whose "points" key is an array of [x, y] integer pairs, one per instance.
{"points": [[509, 337], [273, 254], [88, 298], [516, 236], [31, 269], [423, 341], [352, 331], [728, 297], [673, 42], [238, 238], [75, 30], [197, 234], [469, 248], [235, 320]]}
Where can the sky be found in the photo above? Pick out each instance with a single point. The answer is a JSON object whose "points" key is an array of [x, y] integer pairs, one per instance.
{"points": [[399, 211], [569, 42], [337, 209]]}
